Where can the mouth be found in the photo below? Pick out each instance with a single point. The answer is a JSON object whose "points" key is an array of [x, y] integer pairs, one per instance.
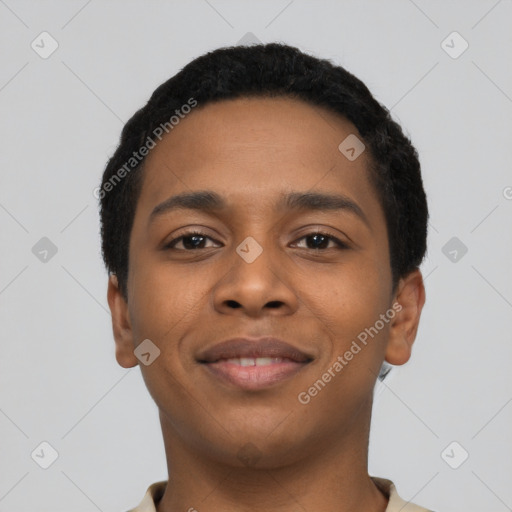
{"points": [[253, 364]]}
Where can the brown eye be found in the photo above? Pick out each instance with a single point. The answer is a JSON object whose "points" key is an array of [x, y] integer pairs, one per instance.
{"points": [[190, 241], [319, 241]]}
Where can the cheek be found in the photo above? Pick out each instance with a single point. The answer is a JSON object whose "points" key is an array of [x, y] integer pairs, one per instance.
{"points": [[164, 306], [348, 306], [348, 299], [164, 300], [350, 315]]}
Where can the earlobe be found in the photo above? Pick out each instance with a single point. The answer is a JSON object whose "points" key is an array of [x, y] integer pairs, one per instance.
{"points": [[408, 302], [121, 326]]}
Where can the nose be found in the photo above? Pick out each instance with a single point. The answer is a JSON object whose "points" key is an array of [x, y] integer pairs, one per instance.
{"points": [[256, 287]]}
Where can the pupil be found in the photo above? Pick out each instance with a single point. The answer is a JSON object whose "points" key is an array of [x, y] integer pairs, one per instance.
{"points": [[194, 245], [316, 237], [194, 241]]}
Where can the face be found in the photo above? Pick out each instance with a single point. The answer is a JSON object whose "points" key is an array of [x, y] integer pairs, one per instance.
{"points": [[291, 244]]}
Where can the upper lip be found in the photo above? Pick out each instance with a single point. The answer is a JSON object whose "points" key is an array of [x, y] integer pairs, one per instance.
{"points": [[252, 348]]}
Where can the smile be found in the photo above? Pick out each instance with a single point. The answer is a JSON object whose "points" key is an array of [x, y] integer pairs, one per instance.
{"points": [[254, 373]]}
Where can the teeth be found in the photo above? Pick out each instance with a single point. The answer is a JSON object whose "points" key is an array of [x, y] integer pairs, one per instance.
{"points": [[255, 361]]}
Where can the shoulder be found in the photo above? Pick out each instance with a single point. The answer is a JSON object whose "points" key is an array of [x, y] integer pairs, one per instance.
{"points": [[153, 495], [396, 503]]}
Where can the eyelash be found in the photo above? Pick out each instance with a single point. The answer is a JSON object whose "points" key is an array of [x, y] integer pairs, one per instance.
{"points": [[170, 246]]}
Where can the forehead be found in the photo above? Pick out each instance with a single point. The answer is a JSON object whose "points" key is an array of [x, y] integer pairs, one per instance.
{"points": [[272, 126], [253, 149]]}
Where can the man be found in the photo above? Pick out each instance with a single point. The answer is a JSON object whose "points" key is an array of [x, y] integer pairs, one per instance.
{"points": [[263, 221]]}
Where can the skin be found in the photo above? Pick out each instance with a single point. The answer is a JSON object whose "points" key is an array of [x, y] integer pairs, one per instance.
{"points": [[309, 457]]}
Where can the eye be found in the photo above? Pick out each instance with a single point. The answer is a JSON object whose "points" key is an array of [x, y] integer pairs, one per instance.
{"points": [[194, 240], [321, 240], [190, 241]]}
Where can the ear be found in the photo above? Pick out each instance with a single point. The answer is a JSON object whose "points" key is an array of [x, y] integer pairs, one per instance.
{"points": [[408, 303], [121, 325]]}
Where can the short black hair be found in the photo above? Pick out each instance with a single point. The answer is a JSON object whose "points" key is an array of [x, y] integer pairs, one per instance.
{"points": [[270, 70]]}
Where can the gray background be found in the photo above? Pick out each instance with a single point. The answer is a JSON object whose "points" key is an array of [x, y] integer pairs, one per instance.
{"points": [[60, 120]]}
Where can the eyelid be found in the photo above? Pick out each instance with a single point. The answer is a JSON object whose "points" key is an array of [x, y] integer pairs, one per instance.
{"points": [[186, 234], [312, 231], [318, 231]]}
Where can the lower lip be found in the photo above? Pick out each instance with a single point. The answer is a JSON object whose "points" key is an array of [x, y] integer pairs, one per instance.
{"points": [[254, 377]]}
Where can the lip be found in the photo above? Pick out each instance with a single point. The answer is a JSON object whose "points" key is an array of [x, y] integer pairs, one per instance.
{"points": [[223, 361], [253, 347]]}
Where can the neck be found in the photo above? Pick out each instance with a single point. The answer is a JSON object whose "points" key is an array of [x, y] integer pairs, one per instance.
{"points": [[327, 476]]}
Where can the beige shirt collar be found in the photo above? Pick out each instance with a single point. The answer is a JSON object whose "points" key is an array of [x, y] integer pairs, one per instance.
{"points": [[396, 504]]}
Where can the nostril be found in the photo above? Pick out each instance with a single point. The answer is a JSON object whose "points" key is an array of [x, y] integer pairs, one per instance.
{"points": [[233, 304], [274, 304]]}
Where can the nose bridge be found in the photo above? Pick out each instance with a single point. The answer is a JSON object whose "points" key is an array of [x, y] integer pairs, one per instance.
{"points": [[256, 260], [256, 278], [257, 244]]}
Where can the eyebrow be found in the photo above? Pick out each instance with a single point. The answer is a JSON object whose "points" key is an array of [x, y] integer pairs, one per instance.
{"points": [[209, 201]]}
